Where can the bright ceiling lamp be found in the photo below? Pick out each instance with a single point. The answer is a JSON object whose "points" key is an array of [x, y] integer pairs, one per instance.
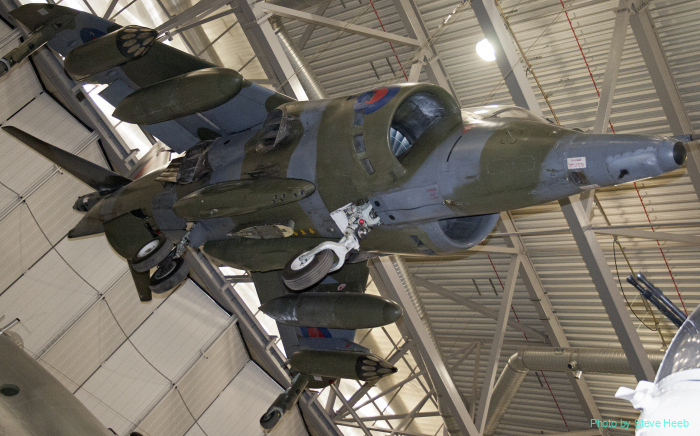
{"points": [[485, 50]]}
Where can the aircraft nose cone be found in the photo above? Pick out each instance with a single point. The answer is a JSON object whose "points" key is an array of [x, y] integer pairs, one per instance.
{"points": [[392, 312], [605, 160], [679, 153], [671, 155]]}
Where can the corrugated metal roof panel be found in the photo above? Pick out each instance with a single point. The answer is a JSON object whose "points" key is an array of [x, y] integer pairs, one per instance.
{"points": [[210, 375], [171, 339], [122, 391]]}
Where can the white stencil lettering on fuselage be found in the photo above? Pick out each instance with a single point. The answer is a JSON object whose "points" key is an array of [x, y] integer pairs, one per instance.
{"points": [[575, 162]]}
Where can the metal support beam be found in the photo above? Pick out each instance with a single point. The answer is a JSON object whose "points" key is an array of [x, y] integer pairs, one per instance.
{"points": [[357, 396], [660, 72], [539, 298], [496, 345], [507, 58], [607, 288], [646, 234], [197, 23], [665, 84], [406, 421], [476, 307], [388, 279], [396, 416], [416, 28], [464, 352], [612, 67], [198, 10], [492, 250], [475, 377], [110, 8], [262, 38], [311, 27], [383, 393], [342, 399], [224, 294], [337, 25]]}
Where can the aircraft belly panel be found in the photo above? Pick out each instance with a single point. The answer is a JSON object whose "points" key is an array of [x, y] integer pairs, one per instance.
{"points": [[413, 204], [170, 224]]}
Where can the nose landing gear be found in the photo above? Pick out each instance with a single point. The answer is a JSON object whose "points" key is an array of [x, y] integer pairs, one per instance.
{"points": [[310, 267]]}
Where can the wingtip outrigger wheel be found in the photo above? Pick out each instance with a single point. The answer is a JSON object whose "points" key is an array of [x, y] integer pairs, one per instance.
{"points": [[284, 402], [270, 419], [311, 267]]}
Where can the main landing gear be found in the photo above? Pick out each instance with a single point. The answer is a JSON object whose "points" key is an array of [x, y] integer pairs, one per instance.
{"points": [[312, 266], [171, 266], [170, 273], [151, 254]]}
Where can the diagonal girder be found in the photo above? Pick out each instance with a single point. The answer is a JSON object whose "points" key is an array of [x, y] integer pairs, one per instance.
{"points": [[392, 284]]}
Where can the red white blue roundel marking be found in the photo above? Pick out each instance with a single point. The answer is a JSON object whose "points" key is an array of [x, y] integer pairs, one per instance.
{"points": [[315, 332], [372, 101]]}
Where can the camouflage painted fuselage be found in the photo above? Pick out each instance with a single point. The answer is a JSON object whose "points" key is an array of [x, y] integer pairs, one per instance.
{"points": [[442, 195]]}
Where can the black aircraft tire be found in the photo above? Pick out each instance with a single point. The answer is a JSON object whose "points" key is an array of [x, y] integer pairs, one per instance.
{"points": [[309, 275], [270, 419], [168, 275], [151, 255]]}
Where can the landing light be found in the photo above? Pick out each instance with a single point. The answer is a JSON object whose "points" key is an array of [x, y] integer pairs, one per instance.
{"points": [[485, 50]]}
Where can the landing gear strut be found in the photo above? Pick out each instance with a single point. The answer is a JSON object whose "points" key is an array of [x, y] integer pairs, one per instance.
{"points": [[310, 267]]}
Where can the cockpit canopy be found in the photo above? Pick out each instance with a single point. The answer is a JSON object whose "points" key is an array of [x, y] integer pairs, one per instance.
{"points": [[501, 112], [413, 118]]}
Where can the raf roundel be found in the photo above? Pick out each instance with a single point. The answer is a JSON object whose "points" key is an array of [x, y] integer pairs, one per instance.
{"points": [[372, 101]]}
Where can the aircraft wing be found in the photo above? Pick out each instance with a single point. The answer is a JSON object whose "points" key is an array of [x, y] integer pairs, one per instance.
{"points": [[248, 109], [351, 278]]}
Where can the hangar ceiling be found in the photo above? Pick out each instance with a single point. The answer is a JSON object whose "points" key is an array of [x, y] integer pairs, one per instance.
{"points": [[649, 227]]}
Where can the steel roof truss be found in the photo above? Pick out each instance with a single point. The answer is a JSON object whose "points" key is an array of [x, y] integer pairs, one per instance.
{"points": [[497, 344], [337, 25], [416, 28], [612, 67], [555, 332], [191, 14], [311, 27], [666, 87], [267, 47], [507, 58], [391, 284], [476, 307], [607, 289]]}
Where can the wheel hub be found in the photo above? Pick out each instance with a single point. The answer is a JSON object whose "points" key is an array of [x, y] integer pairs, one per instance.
{"points": [[148, 248]]}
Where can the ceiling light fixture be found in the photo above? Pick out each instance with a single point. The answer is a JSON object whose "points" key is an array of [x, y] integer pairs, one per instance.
{"points": [[485, 50]]}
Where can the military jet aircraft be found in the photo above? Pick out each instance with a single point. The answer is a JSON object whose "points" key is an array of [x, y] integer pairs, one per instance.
{"points": [[302, 193]]}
